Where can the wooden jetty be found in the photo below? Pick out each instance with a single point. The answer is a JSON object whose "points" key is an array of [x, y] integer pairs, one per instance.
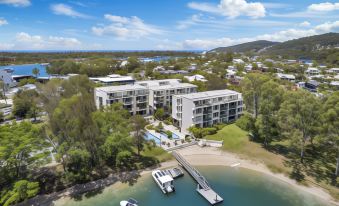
{"points": [[203, 187]]}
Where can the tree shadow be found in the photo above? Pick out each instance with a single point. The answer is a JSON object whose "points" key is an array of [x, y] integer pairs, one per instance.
{"points": [[297, 169], [278, 149], [129, 177]]}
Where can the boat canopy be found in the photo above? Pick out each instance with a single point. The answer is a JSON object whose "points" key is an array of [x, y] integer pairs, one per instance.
{"points": [[165, 179]]}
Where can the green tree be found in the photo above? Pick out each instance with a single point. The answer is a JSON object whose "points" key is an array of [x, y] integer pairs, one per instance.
{"points": [[3, 91], [138, 124], [330, 126], [299, 118], [271, 99], [36, 72], [124, 159], [251, 90], [25, 104], [2, 117], [22, 146], [159, 114], [21, 191]]}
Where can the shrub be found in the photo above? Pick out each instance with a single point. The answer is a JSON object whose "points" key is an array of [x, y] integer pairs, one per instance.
{"points": [[246, 122], [150, 127]]}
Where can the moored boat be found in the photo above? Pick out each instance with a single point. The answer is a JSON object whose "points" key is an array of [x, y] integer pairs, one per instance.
{"points": [[164, 181], [129, 202]]}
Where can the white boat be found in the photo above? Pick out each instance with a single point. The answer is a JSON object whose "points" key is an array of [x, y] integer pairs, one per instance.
{"points": [[129, 202], [164, 181]]}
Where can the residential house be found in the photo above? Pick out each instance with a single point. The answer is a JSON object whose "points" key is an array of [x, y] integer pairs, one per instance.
{"points": [[288, 77], [196, 77], [312, 71]]}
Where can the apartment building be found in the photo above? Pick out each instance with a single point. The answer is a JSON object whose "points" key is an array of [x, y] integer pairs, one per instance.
{"points": [[162, 91], [134, 98], [203, 109], [6, 78]]}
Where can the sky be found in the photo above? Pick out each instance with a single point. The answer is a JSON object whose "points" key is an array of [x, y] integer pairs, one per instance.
{"points": [[159, 24]]}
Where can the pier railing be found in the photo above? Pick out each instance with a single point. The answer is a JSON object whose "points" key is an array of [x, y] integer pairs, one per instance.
{"points": [[203, 186]]}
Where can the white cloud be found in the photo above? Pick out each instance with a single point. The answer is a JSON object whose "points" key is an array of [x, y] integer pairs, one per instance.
{"points": [[16, 3], [63, 9], [305, 24], [6, 46], [125, 27], [3, 21], [232, 8], [323, 7], [26, 41], [284, 35]]}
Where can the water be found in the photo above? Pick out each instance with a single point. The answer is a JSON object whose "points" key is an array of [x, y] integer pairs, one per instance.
{"points": [[238, 187], [26, 69]]}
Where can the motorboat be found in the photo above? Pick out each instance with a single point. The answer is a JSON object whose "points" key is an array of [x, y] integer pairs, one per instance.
{"points": [[129, 202], [164, 181]]}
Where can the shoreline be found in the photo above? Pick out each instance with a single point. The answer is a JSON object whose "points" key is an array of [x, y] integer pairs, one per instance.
{"points": [[209, 156]]}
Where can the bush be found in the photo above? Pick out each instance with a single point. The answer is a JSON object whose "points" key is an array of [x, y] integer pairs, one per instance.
{"points": [[169, 134], [246, 122], [159, 128], [150, 127]]}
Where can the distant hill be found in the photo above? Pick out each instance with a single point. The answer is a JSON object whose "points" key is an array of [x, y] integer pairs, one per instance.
{"points": [[254, 46], [307, 47], [318, 47]]}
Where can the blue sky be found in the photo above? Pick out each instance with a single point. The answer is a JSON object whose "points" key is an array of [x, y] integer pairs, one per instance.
{"points": [[159, 24]]}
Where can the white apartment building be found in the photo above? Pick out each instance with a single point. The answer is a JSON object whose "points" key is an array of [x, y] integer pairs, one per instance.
{"points": [[162, 91], [203, 109], [6, 77], [134, 98]]}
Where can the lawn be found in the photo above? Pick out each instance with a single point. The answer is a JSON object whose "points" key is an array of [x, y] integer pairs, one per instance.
{"points": [[237, 141], [157, 152]]}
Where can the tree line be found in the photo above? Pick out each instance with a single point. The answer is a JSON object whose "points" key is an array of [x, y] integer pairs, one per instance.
{"points": [[309, 124], [88, 143]]}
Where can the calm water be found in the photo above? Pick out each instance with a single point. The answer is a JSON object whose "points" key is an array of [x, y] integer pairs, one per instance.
{"points": [[26, 69], [238, 187]]}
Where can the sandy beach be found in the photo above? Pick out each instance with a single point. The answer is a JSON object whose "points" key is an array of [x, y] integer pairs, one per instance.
{"points": [[212, 156]]}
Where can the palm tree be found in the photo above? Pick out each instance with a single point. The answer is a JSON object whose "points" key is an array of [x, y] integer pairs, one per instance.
{"points": [[36, 72]]}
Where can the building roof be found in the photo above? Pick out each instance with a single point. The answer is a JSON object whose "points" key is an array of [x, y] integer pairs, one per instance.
{"points": [[312, 69], [171, 86], [112, 78], [287, 76], [334, 83], [120, 88], [208, 94], [158, 82]]}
